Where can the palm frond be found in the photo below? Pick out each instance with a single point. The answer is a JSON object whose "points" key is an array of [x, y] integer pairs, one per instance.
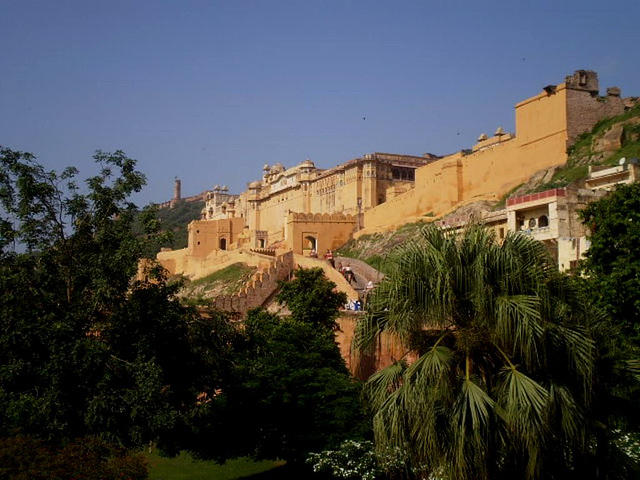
{"points": [[524, 405], [476, 405], [383, 383], [391, 424], [570, 414], [431, 366], [518, 327], [577, 349], [471, 419], [368, 329], [633, 366]]}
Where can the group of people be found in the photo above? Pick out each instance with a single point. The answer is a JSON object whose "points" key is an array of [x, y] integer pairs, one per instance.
{"points": [[346, 271], [355, 305]]}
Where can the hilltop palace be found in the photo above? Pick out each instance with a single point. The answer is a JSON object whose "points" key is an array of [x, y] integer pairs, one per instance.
{"points": [[304, 208]]}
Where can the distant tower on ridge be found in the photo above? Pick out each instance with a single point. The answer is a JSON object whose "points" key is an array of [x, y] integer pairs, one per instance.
{"points": [[176, 193]]}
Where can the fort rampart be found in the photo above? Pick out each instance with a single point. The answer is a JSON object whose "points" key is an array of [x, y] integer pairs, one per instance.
{"points": [[259, 288], [546, 125]]}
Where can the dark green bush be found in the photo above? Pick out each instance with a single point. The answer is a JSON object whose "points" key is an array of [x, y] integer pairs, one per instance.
{"points": [[88, 458]]}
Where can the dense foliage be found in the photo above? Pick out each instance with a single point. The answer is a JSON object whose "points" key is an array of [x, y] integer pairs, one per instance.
{"points": [[311, 297], [611, 273], [84, 349], [28, 458], [508, 371], [612, 262], [289, 392]]}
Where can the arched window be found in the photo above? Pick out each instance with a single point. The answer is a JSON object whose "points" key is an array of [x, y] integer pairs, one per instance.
{"points": [[543, 221]]}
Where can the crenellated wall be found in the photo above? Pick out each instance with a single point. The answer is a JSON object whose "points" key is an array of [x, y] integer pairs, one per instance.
{"points": [[259, 288]]}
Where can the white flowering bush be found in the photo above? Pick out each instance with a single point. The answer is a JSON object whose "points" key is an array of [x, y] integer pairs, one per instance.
{"points": [[353, 460], [629, 443], [359, 460]]}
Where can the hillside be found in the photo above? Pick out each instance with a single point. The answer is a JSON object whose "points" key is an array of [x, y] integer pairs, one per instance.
{"points": [[175, 221], [226, 281]]}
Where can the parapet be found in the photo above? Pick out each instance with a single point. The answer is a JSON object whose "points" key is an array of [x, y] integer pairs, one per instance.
{"points": [[583, 80], [320, 217]]}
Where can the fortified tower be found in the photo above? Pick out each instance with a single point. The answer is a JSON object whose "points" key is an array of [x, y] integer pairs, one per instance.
{"points": [[176, 193]]}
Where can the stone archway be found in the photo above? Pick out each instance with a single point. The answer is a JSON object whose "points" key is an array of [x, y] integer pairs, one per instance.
{"points": [[223, 244], [311, 243]]}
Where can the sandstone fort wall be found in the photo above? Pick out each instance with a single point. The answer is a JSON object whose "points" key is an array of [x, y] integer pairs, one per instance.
{"points": [[492, 169], [318, 231], [260, 288]]}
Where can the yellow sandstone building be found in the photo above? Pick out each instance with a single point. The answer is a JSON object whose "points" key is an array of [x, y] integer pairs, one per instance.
{"points": [[304, 209]]}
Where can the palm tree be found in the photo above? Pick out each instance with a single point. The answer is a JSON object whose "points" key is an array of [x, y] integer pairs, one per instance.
{"points": [[504, 375]]}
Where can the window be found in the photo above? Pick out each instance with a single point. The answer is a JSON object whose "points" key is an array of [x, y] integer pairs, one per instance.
{"points": [[543, 221]]}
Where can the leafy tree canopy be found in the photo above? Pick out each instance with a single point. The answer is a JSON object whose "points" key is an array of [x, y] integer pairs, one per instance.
{"points": [[507, 372], [312, 298], [290, 392], [84, 349], [612, 263]]}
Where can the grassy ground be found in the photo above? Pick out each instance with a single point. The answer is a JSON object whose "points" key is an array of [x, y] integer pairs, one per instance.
{"points": [[230, 278], [184, 467], [226, 281]]}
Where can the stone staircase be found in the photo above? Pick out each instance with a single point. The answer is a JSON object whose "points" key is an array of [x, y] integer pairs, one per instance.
{"points": [[260, 288]]}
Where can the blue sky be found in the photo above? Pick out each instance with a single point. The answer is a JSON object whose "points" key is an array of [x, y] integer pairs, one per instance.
{"points": [[209, 91]]}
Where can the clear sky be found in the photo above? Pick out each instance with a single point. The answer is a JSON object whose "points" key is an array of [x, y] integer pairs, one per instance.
{"points": [[210, 91]]}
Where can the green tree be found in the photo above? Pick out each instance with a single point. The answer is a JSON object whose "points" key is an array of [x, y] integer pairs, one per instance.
{"points": [[505, 373], [84, 349], [289, 392], [611, 273], [612, 261], [312, 297]]}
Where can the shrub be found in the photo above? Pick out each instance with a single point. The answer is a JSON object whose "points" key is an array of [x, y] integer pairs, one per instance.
{"points": [[89, 458]]}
